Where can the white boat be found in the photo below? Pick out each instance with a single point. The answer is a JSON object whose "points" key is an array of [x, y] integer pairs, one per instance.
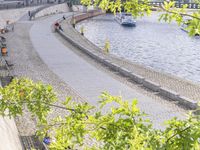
{"points": [[125, 19]]}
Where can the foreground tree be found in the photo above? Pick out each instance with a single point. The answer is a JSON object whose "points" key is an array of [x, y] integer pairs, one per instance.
{"points": [[139, 8], [122, 127]]}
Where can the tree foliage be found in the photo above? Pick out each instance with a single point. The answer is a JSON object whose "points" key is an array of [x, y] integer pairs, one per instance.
{"points": [[25, 92], [122, 127]]}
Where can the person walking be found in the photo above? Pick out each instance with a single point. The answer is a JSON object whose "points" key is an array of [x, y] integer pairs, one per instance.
{"points": [[29, 14]]}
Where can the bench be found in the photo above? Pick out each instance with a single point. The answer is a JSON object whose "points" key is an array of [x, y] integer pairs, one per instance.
{"points": [[9, 27], [3, 46]]}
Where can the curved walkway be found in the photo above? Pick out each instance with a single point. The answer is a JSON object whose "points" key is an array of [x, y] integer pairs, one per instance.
{"points": [[188, 90], [88, 80]]}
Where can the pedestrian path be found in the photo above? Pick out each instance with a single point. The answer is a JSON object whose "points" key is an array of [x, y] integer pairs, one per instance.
{"points": [[88, 80]]}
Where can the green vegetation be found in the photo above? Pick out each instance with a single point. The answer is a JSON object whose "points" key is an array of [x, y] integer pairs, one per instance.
{"points": [[123, 127], [139, 8]]}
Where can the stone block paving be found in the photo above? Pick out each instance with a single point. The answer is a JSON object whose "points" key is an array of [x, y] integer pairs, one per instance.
{"points": [[28, 64], [183, 87]]}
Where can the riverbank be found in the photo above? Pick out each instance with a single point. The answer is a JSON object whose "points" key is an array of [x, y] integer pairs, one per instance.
{"points": [[185, 92], [37, 53], [89, 80]]}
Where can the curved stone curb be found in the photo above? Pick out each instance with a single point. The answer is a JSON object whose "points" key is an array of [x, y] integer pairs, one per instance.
{"points": [[151, 85], [190, 104]]}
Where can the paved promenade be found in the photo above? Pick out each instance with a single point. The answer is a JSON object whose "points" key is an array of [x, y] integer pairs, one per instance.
{"points": [[87, 79]]}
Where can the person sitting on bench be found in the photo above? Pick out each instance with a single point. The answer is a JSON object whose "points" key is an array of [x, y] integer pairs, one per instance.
{"points": [[58, 26]]}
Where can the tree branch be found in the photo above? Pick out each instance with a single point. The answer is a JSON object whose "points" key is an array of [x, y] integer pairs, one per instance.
{"points": [[57, 106], [182, 14], [177, 134]]}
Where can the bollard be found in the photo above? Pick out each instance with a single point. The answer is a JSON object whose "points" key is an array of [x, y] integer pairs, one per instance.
{"points": [[107, 46], [82, 30], [74, 23], [7, 22]]}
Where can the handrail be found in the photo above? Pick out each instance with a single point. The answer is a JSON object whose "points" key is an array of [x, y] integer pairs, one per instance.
{"points": [[178, 5]]}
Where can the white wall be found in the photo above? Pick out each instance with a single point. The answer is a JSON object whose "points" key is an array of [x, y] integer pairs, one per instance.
{"points": [[9, 137]]}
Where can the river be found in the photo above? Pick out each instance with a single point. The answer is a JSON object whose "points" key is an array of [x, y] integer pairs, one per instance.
{"points": [[158, 45]]}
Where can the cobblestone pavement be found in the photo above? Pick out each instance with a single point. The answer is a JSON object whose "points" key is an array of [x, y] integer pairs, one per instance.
{"points": [[89, 80], [181, 86], [27, 63]]}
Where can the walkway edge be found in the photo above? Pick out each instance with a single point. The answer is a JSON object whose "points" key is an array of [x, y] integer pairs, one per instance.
{"points": [[184, 101]]}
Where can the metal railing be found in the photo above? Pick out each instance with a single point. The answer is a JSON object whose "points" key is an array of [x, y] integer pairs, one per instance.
{"points": [[178, 5]]}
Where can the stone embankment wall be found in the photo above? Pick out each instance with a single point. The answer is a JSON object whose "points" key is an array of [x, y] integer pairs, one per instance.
{"points": [[90, 14], [13, 15], [60, 8]]}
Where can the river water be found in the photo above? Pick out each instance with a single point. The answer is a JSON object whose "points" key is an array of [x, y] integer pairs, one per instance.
{"points": [[161, 46]]}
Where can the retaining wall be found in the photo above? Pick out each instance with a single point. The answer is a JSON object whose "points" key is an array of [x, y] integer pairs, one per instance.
{"points": [[13, 15], [59, 8], [87, 15], [9, 136]]}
